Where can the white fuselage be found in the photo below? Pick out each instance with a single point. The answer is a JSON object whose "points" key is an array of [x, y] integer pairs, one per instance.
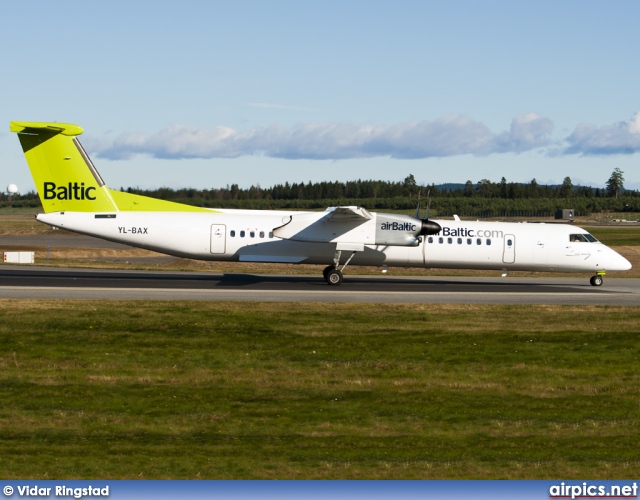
{"points": [[247, 235]]}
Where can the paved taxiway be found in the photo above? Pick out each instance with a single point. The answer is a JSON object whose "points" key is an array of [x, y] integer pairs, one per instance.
{"points": [[49, 283]]}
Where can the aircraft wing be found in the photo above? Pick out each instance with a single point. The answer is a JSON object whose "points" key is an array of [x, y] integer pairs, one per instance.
{"points": [[342, 214], [336, 224]]}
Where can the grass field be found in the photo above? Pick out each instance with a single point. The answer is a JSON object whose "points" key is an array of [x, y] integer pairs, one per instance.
{"points": [[617, 235], [178, 390]]}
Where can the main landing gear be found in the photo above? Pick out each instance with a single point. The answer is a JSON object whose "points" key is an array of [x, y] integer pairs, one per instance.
{"points": [[332, 274]]}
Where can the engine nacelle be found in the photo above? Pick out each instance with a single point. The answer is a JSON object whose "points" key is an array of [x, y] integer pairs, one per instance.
{"points": [[402, 230]]}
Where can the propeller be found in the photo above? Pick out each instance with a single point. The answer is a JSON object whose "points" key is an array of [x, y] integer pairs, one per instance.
{"points": [[428, 226]]}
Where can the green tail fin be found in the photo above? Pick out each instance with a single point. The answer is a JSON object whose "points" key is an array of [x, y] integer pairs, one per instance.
{"points": [[67, 180]]}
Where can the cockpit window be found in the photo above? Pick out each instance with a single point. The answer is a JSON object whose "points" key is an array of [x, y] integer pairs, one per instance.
{"points": [[582, 237]]}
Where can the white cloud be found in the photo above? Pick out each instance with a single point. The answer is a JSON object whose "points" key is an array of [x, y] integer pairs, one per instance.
{"points": [[446, 136], [619, 138], [527, 132]]}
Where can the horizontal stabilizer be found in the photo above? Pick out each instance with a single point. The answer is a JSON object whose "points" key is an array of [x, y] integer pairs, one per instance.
{"points": [[67, 129]]}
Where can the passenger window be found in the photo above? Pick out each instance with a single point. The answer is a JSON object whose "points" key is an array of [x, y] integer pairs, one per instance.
{"points": [[242, 234], [509, 242], [479, 241], [261, 234], [252, 234], [488, 241], [459, 241], [440, 240], [430, 239], [468, 241], [232, 233], [449, 240], [270, 234]]}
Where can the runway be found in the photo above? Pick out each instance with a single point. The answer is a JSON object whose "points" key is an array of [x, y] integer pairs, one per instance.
{"points": [[26, 282]]}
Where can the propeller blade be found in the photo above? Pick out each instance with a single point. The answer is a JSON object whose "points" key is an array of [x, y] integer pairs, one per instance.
{"points": [[426, 214], [428, 226]]}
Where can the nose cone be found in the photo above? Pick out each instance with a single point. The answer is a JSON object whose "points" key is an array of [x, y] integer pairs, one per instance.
{"points": [[616, 262]]}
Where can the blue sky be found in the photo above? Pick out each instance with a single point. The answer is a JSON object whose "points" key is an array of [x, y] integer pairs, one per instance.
{"points": [[207, 93]]}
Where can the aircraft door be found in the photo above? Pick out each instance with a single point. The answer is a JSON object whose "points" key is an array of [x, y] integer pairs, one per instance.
{"points": [[218, 238], [509, 254]]}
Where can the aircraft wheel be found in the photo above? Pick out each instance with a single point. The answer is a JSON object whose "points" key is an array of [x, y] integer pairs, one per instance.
{"points": [[596, 281], [326, 270], [334, 277]]}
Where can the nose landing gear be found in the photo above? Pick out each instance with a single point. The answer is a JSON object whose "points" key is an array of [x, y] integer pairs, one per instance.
{"points": [[597, 280]]}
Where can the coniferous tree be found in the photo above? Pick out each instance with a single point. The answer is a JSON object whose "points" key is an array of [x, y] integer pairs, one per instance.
{"points": [[468, 189], [504, 189], [615, 184], [532, 189], [566, 190]]}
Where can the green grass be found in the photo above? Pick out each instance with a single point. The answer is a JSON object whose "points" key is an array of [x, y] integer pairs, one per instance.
{"points": [[617, 235], [252, 390]]}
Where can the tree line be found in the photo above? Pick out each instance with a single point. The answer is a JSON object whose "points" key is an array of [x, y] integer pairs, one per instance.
{"points": [[483, 198]]}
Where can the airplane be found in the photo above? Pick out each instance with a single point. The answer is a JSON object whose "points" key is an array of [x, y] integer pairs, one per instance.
{"points": [[74, 197]]}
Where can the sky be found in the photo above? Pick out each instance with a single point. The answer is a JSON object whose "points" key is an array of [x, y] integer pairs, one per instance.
{"points": [[205, 94]]}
